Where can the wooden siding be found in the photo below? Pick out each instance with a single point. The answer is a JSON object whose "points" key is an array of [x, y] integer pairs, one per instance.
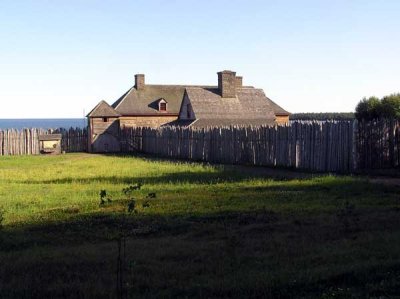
{"points": [[282, 119], [105, 143], [99, 126], [146, 121]]}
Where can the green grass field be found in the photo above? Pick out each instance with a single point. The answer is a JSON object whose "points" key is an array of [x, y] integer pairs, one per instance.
{"points": [[210, 232]]}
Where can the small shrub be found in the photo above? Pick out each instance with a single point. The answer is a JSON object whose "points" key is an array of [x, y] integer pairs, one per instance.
{"points": [[128, 190], [103, 199], [131, 206], [151, 195], [103, 194]]}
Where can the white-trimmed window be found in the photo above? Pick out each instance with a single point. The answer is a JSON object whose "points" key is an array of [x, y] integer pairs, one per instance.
{"points": [[162, 105]]}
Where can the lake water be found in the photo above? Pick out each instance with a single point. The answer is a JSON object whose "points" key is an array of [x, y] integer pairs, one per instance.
{"points": [[44, 123]]}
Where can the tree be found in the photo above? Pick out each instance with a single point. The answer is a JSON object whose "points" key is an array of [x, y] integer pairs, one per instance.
{"points": [[390, 106], [368, 109]]}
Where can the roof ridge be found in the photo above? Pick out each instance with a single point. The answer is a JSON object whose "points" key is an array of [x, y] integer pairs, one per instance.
{"points": [[108, 106], [181, 85], [123, 98], [205, 86]]}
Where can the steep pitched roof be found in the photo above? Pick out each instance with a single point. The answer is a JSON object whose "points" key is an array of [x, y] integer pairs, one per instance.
{"points": [[278, 110], [249, 107], [145, 101], [102, 109]]}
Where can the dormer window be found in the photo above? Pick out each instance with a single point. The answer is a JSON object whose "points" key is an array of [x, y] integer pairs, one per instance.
{"points": [[162, 105]]}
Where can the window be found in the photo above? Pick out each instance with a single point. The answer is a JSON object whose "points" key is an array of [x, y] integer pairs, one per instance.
{"points": [[105, 119], [163, 106]]}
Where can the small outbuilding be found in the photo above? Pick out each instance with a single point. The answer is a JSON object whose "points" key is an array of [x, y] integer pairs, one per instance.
{"points": [[50, 144]]}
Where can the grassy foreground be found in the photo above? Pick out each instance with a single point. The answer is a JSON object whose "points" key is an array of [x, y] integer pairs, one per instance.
{"points": [[210, 231]]}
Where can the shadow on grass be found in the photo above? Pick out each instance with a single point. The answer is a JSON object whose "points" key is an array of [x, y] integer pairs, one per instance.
{"points": [[258, 253], [214, 255]]}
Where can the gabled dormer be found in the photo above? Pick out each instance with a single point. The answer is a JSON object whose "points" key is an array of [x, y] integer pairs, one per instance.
{"points": [[186, 112], [103, 110], [162, 105]]}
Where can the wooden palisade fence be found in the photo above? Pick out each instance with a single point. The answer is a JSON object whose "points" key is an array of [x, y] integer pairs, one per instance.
{"points": [[323, 146], [311, 145], [378, 144], [26, 141]]}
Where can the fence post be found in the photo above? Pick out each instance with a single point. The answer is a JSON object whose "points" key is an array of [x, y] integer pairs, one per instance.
{"points": [[354, 153]]}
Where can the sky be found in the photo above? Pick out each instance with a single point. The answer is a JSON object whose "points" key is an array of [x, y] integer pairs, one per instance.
{"points": [[58, 59]]}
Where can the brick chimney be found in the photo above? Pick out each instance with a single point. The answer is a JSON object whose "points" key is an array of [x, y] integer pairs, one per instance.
{"points": [[239, 81], [227, 84], [139, 81]]}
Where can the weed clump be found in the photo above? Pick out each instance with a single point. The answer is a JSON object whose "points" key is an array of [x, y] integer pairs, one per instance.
{"points": [[103, 199]]}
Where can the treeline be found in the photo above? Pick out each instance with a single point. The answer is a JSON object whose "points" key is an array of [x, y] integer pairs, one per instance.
{"points": [[323, 116], [375, 108], [372, 108]]}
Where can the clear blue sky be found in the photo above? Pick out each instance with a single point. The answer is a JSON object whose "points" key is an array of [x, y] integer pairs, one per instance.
{"points": [[59, 58]]}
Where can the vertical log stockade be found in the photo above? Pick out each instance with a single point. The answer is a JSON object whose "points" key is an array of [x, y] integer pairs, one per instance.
{"points": [[26, 141], [317, 146], [321, 146]]}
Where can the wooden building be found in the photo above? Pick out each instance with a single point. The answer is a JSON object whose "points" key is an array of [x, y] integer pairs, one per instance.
{"points": [[147, 105], [50, 144]]}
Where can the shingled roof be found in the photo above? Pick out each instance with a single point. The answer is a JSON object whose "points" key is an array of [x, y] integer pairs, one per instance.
{"points": [[278, 110], [145, 101], [102, 109], [249, 107]]}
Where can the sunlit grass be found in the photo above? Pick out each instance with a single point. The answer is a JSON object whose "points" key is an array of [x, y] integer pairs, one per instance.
{"points": [[32, 186]]}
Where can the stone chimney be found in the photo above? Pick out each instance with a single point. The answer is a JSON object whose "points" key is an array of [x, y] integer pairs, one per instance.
{"points": [[139, 81], [239, 81], [227, 84]]}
